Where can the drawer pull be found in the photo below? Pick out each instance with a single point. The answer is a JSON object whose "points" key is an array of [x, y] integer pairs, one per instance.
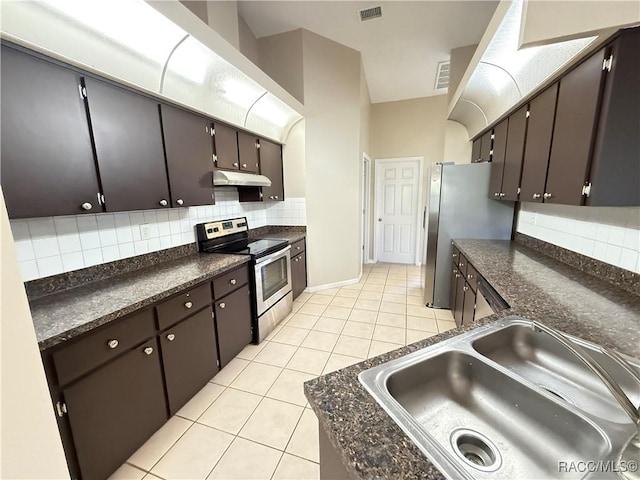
{"points": [[222, 304], [148, 350], [171, 337], [233, 281], [461, 264], [465, 288], [454, 255], [470, 276], [298, 247], [188, 304], [113, 343]]}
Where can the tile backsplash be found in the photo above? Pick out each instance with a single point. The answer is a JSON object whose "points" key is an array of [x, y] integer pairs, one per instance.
{"points": [[608, 234], [51, 245]]}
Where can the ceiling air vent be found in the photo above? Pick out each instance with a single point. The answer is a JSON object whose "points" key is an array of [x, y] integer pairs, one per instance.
{"points": [[370, 13], [442, 76]]}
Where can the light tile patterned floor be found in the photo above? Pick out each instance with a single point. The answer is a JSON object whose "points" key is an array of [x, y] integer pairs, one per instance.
{"points": [[252, 420]]}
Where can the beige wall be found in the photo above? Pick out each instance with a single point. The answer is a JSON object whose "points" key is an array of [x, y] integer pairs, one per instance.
{"points": [[460, 58], [409, 128], [549, 22], [293, 160], [31, 445], [332, 85], [247, 41], [281, 58], [223, 18], [457, 146]]}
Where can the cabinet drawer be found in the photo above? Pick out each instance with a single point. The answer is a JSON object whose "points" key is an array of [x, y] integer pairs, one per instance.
{"points": [[455, 255], [230, 281], [472, 277], [462, 264], [183, 304], [96, 348], [297, 247]]}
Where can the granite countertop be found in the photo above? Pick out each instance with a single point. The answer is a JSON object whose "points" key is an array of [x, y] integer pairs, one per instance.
{"points": [[292, 235], [537, 287], [61, 316]]}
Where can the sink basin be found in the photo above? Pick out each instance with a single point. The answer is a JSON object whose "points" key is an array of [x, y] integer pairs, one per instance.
{"points": [[501, 401], [541, 360]]}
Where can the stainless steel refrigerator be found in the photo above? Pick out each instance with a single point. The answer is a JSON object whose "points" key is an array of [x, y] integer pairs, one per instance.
{"points": [[459, 207]]}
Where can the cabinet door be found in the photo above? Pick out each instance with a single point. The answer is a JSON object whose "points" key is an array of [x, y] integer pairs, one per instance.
{"points": [[573, 133], [248, 152], [271, 166], [453, 288], [468, 305], [233, 322], [458, 308], [538, 145], [615, 169], [128, 141], [497, 162], [114, 410], [47, 159], [475, 150], [189, 149], [189, 356], [485, 147], [298, 274], [514, 153], [226, 146]]}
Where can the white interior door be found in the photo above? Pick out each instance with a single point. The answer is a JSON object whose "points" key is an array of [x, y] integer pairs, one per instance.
{"points": [[397, 193]]}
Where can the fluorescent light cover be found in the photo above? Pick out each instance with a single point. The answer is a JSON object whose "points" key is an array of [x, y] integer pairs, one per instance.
{"points": [[269, 108], [131, 23], [240, 92]]}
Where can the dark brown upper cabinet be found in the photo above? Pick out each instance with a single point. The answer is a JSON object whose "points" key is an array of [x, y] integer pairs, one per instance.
{"points": [[188, 146], [486, 146], [475, 150], [538, 144], [129, 150], [226, 147], [514, 154], [573, 132], [271, 167], [47, 158], [248, 145], [497, 163], [615, 170]]}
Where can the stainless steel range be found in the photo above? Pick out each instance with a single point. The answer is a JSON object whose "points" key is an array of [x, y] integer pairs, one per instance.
{"points": [[271, 272]]}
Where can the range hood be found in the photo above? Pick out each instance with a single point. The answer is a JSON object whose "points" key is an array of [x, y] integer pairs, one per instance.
{"points": [[161, 48], [500, 74], [222, 178]]}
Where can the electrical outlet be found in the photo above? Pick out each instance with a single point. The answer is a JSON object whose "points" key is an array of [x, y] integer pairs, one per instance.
{"points": [[145, 231]]}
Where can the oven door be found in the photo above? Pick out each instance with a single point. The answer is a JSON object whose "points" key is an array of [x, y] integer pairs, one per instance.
{"points": [[273, 278]]}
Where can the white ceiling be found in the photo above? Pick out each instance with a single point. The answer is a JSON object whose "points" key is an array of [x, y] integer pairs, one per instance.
{"points": [[400, 50]]}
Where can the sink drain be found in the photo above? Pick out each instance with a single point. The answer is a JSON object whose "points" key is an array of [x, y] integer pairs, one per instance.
{"points": [[476, 450]]}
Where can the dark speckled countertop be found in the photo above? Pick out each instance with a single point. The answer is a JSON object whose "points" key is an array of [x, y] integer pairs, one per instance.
{"points": [[537, 287], [64, 315]]}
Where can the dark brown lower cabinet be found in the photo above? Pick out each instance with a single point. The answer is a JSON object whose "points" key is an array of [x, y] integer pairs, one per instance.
{"points": [[468, 304], [298, 274], [189, 357], [233, 322], [458, 307], [115, 409]]}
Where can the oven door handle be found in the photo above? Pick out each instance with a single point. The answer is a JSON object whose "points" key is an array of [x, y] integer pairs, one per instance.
{"points": [[273, 256]]}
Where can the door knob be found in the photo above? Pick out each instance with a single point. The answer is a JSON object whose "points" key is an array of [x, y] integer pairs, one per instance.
{"points": [[380, 219]]}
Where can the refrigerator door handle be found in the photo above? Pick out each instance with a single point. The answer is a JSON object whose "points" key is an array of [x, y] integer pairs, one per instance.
{"points": [[424, 218]]}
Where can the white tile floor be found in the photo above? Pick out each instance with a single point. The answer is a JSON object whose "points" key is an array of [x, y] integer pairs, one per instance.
{"points": [[252, 421]]}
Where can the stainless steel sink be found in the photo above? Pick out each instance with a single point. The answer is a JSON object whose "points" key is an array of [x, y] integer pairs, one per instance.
{"points": [[502, 401]]}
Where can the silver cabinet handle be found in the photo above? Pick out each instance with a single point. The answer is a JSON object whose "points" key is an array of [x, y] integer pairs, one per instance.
{"points": [[296, 259], [536, 196], [497, 194], [270, 197], [465, 288], [180, 201], [502, 194], [298, 247], [470, 276], [455, 270], [547, 196], [233, 281], [244, 165], [171, 337], [235, 164], [163, 202], [148, 350], [461, 265], [188, 305], [454, 255], [222, 305], [458, 275], [87, 206], [276, 197], [113, 343]]}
